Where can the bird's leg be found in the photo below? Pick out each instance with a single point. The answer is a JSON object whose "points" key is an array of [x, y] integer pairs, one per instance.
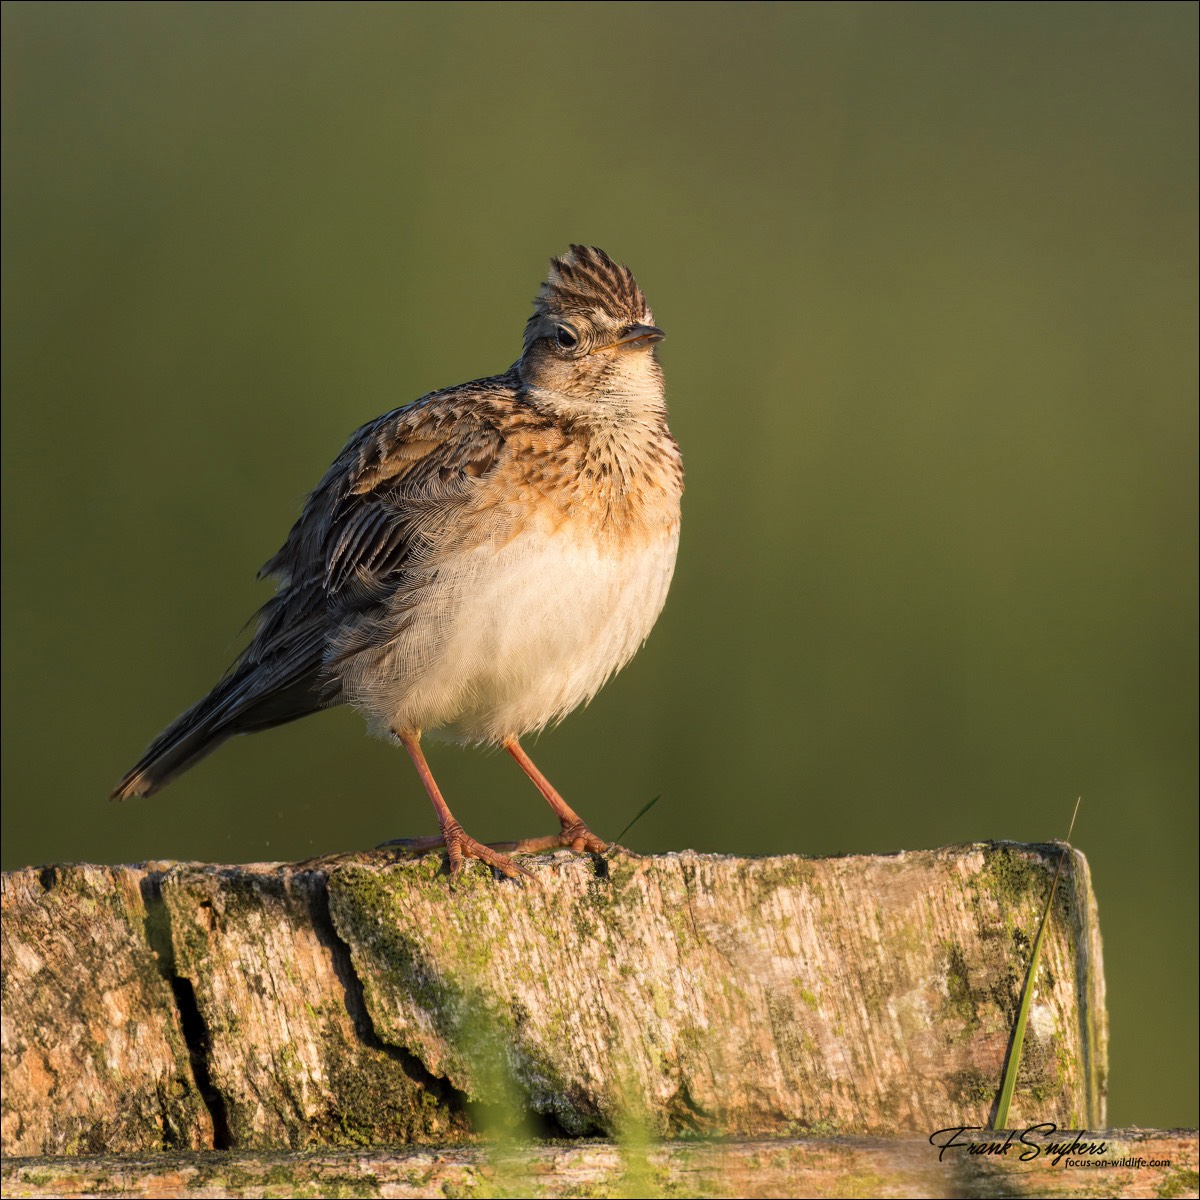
{"points": [[575, 833], [458, 844]]}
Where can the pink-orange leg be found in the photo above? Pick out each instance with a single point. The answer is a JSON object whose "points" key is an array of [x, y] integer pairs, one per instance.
{"points": [[575, 833], [459, 844]]}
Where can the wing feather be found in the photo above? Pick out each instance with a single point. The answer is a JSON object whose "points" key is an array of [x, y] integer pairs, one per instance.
{"points": [[381, 508]]}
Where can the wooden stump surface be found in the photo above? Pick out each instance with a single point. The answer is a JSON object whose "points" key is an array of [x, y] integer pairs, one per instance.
{"points": [[362, 1002]]}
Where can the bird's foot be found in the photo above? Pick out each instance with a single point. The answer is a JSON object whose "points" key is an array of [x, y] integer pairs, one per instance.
{"points": [[333, 860], [460, 846], [578, 837], [575, 836], [415, 846]]}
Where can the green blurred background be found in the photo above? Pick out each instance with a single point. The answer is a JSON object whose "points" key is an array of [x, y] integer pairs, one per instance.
{"points": [[928, 274]]}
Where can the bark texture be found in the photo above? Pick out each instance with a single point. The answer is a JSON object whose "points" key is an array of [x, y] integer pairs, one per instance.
{"points": [[1135, 1163], [362, 1001], [94, 1054]]}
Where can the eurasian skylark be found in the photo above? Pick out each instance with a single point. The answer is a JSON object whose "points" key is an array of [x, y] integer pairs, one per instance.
{"points": [[477, 563]]}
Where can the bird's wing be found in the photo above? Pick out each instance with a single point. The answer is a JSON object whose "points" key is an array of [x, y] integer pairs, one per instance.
{"points": [[410, 481], [394, 496], [384, 505]]}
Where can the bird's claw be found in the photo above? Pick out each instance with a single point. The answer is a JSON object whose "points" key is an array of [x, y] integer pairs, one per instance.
{"points": [[579, 838], [460, 846]]}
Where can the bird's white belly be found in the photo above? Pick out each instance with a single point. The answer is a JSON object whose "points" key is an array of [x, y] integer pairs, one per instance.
{"points": [[505, 641]]}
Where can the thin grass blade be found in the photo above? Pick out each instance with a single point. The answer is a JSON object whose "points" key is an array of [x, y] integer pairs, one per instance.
{"points": [[638, 816], [1012, 1065]]}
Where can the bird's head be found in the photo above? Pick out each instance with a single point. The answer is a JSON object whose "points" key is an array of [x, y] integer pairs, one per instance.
{"points": [[589, 346]]}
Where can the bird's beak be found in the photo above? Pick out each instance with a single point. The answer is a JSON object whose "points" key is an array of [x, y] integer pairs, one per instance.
{"points": [[638, 335]]}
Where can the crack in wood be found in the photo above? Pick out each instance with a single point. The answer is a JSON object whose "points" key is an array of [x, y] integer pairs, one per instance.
{"points": [[191, 1022]]}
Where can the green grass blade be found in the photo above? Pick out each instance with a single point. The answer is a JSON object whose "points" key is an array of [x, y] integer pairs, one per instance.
{"points": [[1012, 1065], [638, 816]]}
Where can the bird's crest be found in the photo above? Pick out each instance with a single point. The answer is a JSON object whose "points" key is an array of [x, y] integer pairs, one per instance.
{"points": [[586, 282]]}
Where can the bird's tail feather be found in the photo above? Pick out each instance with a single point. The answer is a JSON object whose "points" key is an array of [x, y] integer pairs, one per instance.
{"points": [[234, 706]]}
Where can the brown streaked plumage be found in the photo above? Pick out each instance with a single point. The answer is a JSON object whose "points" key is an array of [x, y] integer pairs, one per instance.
{"points": [[477, 563]]}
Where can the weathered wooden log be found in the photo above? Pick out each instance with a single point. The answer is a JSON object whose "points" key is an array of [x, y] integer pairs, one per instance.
{"points": [[364, 1002], [1133, 1162]]}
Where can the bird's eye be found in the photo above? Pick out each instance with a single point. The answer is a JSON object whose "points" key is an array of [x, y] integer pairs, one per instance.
{"points": [[566, 337]]}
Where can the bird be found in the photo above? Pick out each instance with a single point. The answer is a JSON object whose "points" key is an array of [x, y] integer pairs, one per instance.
{"points": [[476, 564]]}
